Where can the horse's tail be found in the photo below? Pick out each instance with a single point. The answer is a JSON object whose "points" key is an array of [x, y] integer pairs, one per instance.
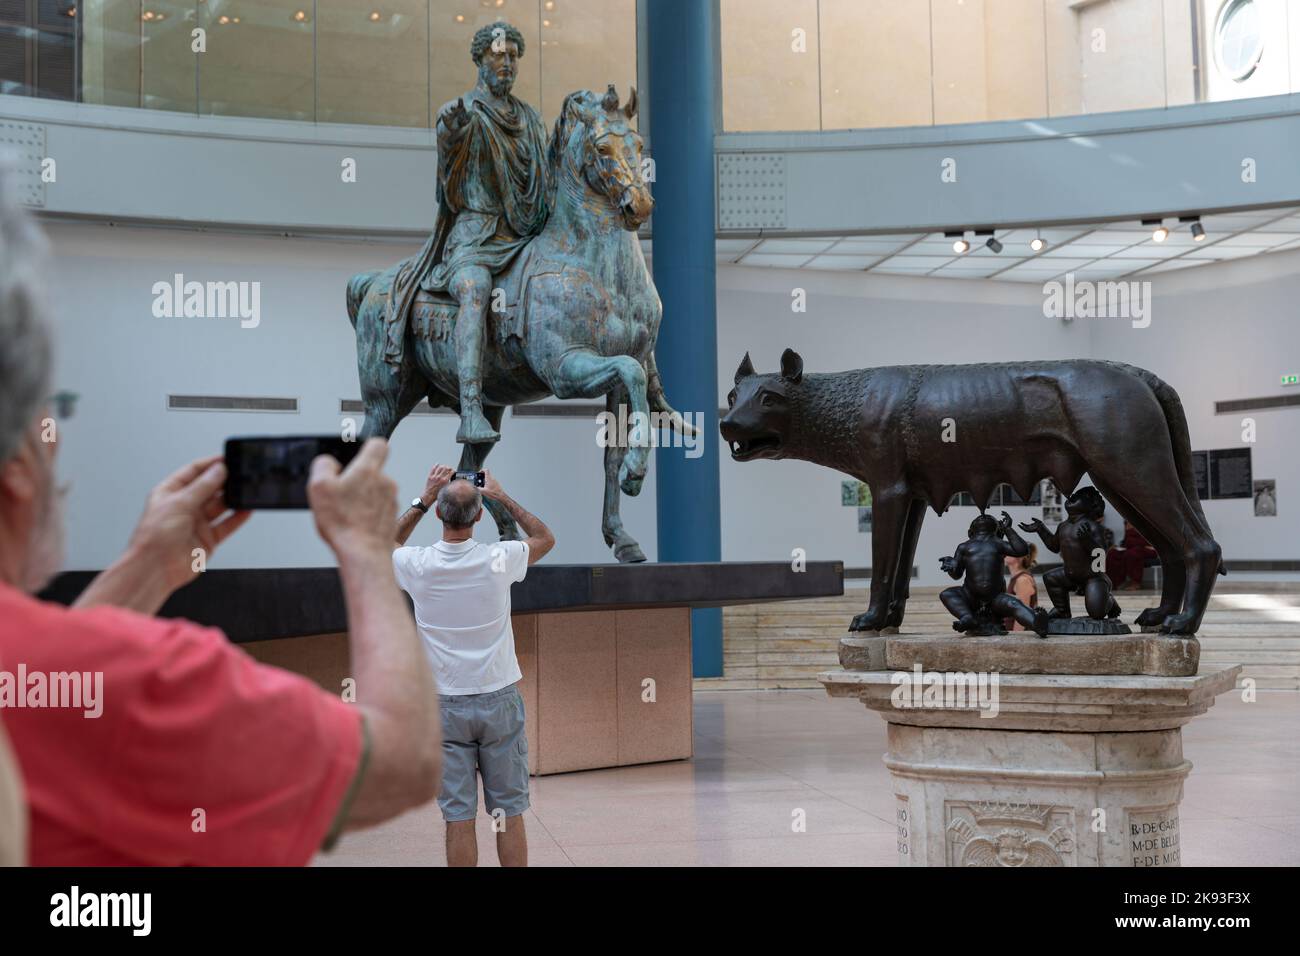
{"points": [[358, 285], [659, 401]]}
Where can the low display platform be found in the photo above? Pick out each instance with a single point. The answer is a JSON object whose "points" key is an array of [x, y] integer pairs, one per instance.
{"points": [[605, 650]]}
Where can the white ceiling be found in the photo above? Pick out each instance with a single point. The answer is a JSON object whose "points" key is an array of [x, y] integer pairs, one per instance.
{"points": [[1096, 251]]}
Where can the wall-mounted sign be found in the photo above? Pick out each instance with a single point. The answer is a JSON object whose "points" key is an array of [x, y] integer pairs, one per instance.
{"points": [[1230, 473], [1292, 379], [1201, 471]]}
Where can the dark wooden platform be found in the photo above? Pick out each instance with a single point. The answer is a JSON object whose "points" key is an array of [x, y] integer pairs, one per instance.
{"points": [[258, 604]]}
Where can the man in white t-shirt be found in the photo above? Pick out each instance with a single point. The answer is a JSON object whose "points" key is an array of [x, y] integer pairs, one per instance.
{"points": [[461, 592]]}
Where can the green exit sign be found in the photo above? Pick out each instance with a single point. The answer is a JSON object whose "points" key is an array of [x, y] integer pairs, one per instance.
{"points": [[1291, 379]]}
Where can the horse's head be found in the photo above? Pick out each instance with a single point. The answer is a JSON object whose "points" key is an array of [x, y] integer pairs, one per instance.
{"points": [[594, 135]]}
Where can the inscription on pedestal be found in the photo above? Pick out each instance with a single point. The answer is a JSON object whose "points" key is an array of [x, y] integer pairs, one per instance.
{"points": [[904, 823], [990, 833], [1153, 837]]}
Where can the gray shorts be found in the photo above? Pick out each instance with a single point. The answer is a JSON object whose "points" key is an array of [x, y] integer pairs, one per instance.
{"points": [[483, 732]]}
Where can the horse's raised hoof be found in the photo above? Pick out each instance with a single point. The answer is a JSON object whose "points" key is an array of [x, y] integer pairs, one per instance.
{"points": [[631, 484], [630, 553]]}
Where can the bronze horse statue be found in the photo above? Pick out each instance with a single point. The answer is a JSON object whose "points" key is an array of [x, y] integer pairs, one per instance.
{"points": [[576, 314]]}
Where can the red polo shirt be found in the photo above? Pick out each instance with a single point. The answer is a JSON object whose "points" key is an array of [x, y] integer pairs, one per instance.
{"points": [[200, 756]]}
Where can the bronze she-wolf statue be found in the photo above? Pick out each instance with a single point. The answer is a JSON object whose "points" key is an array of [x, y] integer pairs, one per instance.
{"points": [[918, 434]]}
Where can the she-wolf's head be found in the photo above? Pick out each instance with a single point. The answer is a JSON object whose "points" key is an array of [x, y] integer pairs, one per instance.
{"points": [[758, 420]]}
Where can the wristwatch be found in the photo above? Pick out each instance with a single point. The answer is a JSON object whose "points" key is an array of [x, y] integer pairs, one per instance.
{"points": [[419, 505]]}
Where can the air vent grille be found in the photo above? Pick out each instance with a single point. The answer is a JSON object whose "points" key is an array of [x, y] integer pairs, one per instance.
{"points": [[230, 403], [1256, 404]]}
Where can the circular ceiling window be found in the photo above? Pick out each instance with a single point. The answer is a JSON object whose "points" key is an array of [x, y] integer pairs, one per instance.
{"points": [[1238, 39]]}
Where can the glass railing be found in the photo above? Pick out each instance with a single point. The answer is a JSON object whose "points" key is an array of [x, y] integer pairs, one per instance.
{"points": [[383, 62], [853, 64]]}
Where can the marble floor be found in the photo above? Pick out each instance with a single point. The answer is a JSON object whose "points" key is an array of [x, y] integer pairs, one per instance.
{"points": [[766, 758]]}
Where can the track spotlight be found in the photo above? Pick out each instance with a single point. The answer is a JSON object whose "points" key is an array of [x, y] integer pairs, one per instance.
{"points": [[1198, 231], [1038, 243], [959, 244], [1159, 233], [993, 244]]}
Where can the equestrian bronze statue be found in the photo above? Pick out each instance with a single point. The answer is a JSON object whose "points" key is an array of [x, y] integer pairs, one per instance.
{"points": [[532, 285], [918, 434]]}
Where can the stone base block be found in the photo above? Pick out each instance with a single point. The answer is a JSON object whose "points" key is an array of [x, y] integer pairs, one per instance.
{"points": [[1023, 652], [862, 651]]}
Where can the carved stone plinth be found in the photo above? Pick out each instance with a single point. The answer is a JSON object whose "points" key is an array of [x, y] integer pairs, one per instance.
{"points": [[1035, 769], [1023, 652]]}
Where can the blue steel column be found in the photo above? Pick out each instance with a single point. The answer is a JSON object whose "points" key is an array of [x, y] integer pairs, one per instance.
{"points": [[681, 80]]}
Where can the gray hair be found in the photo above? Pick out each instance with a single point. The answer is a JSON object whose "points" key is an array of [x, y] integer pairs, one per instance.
{"points": [[458, 509], [26, 347]]}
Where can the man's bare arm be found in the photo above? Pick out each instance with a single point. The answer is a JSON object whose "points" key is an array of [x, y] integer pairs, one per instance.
{"points": [[539, 538], [439, 476]]}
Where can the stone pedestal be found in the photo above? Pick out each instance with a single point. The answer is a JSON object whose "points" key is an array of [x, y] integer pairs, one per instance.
{"points": [[1035, 769]]}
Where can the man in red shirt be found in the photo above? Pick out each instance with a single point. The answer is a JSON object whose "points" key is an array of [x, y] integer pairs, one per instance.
{"points": [[145, 741]]}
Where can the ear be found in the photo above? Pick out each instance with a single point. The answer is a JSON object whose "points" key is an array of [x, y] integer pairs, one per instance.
{"points": [[630, 110], [791, 366], [479, 516], [610, 101], [745, 370]]}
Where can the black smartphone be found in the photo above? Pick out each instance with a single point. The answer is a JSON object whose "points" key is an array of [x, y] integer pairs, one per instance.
{"points": [[267, 472], [476, 477]]}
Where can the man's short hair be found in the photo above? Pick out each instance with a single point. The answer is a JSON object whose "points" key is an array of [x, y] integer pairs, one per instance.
{"points": [[25, 341], [459, 504], [485, 35]]}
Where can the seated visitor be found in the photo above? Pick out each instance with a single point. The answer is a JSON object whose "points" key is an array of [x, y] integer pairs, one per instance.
{"points": [[1021, 584], [461, 592], [1125, 564], [145, 741]]}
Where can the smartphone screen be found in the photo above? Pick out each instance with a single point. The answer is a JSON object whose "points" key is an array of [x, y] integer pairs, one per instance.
{"points": [[473, 477], [272, 471]]}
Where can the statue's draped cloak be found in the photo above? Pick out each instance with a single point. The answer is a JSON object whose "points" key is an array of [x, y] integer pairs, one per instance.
{"points": [[495, 192]]}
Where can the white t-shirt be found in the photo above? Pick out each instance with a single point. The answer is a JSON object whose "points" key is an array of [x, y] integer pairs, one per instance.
{"points": [[461, 594]]}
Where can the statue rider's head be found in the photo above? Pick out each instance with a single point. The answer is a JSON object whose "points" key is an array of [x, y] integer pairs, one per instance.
{"points": [[496, 50]]}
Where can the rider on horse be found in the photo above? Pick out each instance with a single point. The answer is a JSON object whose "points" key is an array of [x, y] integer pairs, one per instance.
{"points": [[494, 195]]}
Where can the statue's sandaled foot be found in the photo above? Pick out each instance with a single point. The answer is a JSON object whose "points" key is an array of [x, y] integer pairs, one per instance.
{"points": [[1179, 625], [1153, 617], [871, 619], [474, 428]]}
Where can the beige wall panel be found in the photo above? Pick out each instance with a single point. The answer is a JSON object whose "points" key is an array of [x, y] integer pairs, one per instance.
{"points": [[324, 658], [370, 71], [110, 52], [1064, 59], [766, 85], [1121, 53], [167, 61], [1180, 75], [875, 63], [960, 77], [261, 65], [655, 644], [586, 45], [1014, 61]]}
